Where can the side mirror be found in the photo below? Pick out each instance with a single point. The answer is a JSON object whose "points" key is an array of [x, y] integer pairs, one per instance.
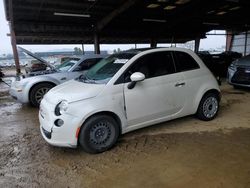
{"points": [[78, 68], [136, 77]]}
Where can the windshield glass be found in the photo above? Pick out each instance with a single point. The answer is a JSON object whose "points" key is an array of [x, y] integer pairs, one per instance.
{"points": [[66, 65], [103, 71]]}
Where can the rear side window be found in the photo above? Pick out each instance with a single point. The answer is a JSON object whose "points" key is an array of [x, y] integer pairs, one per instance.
{"points": [[185, 62]]}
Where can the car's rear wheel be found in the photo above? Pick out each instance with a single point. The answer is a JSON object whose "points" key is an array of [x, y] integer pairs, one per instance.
{"points": [[208, 107], [99, 134], [37, 93]]}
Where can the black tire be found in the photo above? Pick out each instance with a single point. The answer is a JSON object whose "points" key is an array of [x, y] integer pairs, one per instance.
{"points": [[208, 107], [98, 134], [37, 93]]}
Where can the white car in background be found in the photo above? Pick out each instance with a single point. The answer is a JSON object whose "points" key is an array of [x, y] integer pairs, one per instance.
{"points": [[32, 88], [127, 91]]}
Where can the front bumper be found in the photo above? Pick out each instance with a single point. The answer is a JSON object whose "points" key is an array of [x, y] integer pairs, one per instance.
{"points": [[64, 136], [239, 77], [19, 95]]}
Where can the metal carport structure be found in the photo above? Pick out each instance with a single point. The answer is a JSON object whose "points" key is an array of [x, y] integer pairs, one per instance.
{"points": [[122, 21]]}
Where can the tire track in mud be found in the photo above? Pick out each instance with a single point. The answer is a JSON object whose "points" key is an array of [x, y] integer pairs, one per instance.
{"points": [[27, 161]]}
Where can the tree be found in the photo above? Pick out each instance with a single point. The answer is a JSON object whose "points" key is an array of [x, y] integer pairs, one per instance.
{"points": [[77, 51], [116, 51]]}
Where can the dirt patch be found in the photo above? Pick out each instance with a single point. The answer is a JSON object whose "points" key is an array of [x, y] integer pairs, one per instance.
{"points": [[181, 153]]}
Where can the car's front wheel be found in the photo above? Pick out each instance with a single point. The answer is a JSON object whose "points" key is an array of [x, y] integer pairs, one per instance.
{"points": [[37, 93], [208, 107], [99, 134]]}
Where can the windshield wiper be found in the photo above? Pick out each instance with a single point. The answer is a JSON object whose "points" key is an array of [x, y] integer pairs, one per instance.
{"points": [[85, 79]]}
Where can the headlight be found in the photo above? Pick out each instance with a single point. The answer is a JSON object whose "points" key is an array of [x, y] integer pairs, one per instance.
{"points": [[61, 108], [233, 66]]}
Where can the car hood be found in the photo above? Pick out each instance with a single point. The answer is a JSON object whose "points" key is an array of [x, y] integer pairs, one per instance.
{"points": [[73, 91], [36, 57], [245, 61]]}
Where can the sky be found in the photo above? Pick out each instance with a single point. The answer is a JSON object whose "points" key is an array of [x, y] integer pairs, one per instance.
{"points": [[212, 42]]}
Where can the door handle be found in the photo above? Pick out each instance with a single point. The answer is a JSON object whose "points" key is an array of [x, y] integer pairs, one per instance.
{"points": [[180, 84]]}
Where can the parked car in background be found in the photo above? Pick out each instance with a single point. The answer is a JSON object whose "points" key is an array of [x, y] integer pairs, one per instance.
{"points": [[63, 59], [128, 91], [239, 72], [219, 63], [32, 88], [68, 58]]}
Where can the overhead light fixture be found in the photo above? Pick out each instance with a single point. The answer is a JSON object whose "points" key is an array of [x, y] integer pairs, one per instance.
{"points": [[181, 2], [153, 20], [170, 7], [211, 12], [235, 8], [153, 5], [162, 1], [221, 13], [234, 1], [71, 15], [208, 23]]}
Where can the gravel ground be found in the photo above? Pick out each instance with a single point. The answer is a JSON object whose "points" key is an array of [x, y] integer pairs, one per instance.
{"points": [[182, 153]]}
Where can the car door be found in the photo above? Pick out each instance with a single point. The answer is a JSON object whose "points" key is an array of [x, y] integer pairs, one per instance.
{"points": [[160, 95], [194, 78]]}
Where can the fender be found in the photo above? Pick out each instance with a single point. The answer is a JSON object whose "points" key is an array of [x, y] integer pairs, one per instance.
{"points": [[35, 80]]}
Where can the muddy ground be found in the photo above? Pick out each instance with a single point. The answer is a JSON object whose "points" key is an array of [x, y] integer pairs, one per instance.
{"points": [[181, 153]]}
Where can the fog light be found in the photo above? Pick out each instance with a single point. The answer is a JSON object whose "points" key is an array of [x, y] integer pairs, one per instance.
{"points": [[59, 122]]}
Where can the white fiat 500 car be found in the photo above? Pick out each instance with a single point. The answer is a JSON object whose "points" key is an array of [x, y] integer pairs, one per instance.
{"points": [[32, 88], [127, 91]]}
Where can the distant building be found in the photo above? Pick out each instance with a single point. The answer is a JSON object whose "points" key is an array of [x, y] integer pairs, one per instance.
{"points": [[64, 53]]}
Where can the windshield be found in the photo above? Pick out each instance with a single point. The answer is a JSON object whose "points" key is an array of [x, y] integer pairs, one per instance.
{"points": [[103, 71], [66, 65]]}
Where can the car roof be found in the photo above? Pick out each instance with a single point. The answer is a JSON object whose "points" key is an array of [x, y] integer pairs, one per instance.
{"points": [[92, 56]]}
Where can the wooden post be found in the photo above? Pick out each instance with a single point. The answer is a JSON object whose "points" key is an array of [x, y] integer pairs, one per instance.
{"points": [[13, 39], [229, 40], [14, 49]]}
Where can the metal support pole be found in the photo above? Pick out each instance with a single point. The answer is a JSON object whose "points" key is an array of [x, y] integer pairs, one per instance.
{"points": [[153, 43], [14, 49], [197, 45], [83, 49], [135, 46], [97, 44], [245, 47]]}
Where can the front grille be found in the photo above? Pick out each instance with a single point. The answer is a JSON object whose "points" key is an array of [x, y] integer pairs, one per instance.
{"points": [[47, 133], [241, 76]]}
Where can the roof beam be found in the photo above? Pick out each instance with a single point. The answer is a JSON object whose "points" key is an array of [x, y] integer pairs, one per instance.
{"points": [[103, 22]]}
